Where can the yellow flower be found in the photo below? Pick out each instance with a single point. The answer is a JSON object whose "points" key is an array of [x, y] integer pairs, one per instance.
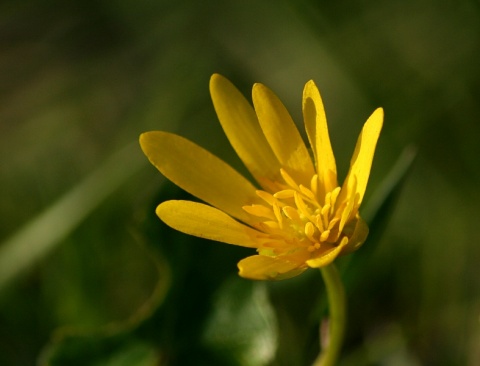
{"points": [[298, 216]]}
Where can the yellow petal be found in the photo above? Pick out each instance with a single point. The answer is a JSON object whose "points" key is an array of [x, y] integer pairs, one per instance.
{"points": [[240, 123], [361, 161], [317, 132], [282, 135], [207, 222], [328, 256], [199, 172], [260, 267], [358, 237], [348, 210]]}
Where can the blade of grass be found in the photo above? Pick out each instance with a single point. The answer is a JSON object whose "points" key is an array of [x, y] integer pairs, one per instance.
{"points": [[392, 182], [40, 235]]}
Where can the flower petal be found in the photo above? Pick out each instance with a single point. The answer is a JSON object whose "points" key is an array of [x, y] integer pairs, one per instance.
{"points": [[240, 123], [261, 267], [199, 172], [328, 256], [361, 161], [317, 132], [207, 222], [282, 135], [358, 237]]}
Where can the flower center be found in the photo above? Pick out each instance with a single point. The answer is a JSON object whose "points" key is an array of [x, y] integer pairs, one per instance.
{"points": [[295, 217]]}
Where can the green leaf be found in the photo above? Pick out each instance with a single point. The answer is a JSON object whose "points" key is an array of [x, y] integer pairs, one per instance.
{"points": [[243, 324], [118, 343], [98, 349], [382, 203]]}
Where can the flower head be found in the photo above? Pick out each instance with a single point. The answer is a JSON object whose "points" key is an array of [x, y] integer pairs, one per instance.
{"points": [[296, 216]]}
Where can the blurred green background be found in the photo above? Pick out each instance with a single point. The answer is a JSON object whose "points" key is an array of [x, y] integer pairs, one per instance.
{"points": [[90, 276]]}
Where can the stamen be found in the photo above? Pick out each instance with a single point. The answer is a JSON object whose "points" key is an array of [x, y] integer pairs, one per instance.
{"points": [[288, 179], [318, 222], [260, 211], [328, 198], [349, 207], [343, 242], [325, 214], [286, 193], [313, 247], [346, 213], [292, 214], [302, 207], [334, 195], [278, 215], [310, 231], [325, 210], [308, 193], [314, 184], [269, 226], [324, 236], [267, 197], [332, 223], [295, 217]]}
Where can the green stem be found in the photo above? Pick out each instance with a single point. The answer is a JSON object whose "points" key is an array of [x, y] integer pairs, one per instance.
{"points": [[337, 307]]}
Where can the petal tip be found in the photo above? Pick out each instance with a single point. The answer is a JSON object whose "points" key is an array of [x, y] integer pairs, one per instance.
{"points": [[216, 78], [310, 84], [142, 136], [259, 88], [143, 140], [161, 209], [375, 121], [380, 111]]}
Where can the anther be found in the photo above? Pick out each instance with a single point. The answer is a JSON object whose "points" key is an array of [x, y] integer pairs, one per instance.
{"points": [[334, 195], [310, 231], [286, 193], [332, 223], [314, 184], [292, 214], [278, 215], [267, 197], [302, 207], [260, 211], [308, 193], [318, 222], [288, 179], [324, 235]]}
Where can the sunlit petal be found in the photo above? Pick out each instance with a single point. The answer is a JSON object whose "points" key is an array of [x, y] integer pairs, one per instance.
{"points": [[349, 208], [199, 172], [362, 158], [282, 134], [358, 237], [241, 126], [206, 222], [260, 267], [317, 132], [327, 256]]}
